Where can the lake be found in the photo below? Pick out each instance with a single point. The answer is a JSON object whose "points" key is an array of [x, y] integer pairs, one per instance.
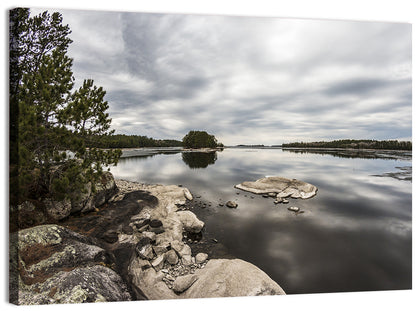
{"points": [[354, 235]]}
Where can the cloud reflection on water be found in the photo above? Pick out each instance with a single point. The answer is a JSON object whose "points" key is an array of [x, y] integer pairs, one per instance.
{"points": [[354, 235]]}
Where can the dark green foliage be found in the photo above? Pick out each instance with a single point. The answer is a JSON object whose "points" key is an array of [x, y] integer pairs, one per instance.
{"points": [[355, 144], [199, 139], [132, 141], [52, 125], [199, 159]]}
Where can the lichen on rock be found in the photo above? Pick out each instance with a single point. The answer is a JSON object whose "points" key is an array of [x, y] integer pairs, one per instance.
{"points": [[52, 264]]}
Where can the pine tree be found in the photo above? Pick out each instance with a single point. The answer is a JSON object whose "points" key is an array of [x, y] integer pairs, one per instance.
{"points": [[54, 124]]}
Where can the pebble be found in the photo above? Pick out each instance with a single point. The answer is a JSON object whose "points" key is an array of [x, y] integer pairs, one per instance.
{"points": [[293, 209], [231, 204]]}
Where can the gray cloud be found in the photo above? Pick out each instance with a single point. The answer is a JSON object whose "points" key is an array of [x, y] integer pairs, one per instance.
{"points": [[246, 79]]}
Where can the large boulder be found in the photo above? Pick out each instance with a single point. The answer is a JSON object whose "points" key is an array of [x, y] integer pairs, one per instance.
{"points": [[85, 284], [283, 187], [231, 278], [219, 278], [145, 280], [52, 264], [49, 210], [87, 200], [57, 210], [182, 283]]}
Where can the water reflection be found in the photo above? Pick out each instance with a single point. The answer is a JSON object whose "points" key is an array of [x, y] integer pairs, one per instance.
{"points": [[355, 153], [354, 235], [199, 159]]}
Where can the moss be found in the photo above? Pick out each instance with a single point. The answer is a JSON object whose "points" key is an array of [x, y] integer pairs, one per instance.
{"points": [[43, 235]]}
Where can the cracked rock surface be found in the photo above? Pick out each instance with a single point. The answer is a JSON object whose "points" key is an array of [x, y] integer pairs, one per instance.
{"points": [[280, 187]]}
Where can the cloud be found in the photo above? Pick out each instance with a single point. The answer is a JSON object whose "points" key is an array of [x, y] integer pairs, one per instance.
{"points": [[247, 79]]}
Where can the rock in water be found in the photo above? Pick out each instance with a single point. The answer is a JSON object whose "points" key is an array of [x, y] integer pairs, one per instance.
{"points": [[284, 187], [187, 194], [190, 222], [231, 204], [278, 200], [293, 209]]}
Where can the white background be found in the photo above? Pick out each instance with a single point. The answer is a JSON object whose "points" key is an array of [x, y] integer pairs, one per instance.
{"points": [[368, 10]]}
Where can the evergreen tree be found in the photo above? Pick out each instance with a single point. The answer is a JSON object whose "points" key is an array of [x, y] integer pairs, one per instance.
{"points": [[53, 123], [199, 139]]}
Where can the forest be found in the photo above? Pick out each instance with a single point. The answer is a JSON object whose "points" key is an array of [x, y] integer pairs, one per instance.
{"points": [[354, 144], [131, 141]]}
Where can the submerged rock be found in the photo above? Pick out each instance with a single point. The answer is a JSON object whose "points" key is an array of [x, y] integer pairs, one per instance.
{"points": [[283, 187]]}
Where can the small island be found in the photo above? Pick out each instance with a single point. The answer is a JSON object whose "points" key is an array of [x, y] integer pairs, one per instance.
{"points": [[201, 141]]}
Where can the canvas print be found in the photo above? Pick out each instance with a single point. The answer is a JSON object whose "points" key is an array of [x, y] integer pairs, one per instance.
{"points": [[170, 156]]}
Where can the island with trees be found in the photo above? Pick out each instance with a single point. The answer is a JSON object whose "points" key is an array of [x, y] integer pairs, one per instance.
{"points": [[200, 139]]}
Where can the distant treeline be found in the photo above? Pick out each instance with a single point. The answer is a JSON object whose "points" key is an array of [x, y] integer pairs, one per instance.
{"points": [[355, 144], [132, 141]]}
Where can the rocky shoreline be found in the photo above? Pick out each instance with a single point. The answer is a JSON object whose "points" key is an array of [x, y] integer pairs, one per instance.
{"points": [[146, 244]]}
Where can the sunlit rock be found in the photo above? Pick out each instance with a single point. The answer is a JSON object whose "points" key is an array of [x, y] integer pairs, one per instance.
{"points": [[283, 187]]}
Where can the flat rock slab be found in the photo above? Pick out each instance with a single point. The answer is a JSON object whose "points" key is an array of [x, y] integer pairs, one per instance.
{"points": [[284, 187]]}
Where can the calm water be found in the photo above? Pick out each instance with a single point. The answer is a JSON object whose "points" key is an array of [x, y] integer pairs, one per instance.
{"points": [[355, 235]]}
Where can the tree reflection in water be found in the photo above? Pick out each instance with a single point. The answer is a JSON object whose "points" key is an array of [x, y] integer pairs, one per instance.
{"points": [[199, 159]]}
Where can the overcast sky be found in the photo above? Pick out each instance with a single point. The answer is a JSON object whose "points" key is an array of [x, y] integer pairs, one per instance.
{"points": [[247, 80]]}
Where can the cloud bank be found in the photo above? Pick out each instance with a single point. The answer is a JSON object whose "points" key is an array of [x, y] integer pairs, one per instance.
{"points": [[244, 79]]}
